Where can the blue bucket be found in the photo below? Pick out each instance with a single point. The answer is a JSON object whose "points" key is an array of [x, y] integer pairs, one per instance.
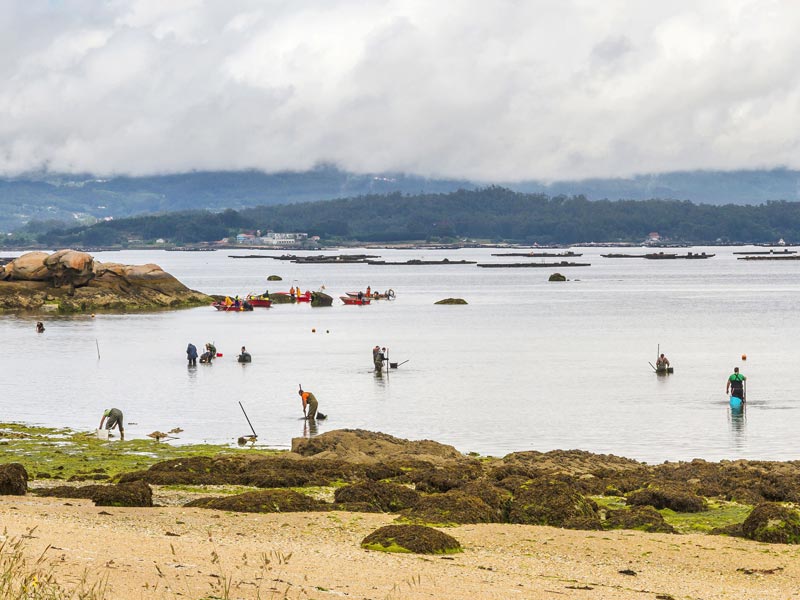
{"points": [[736, 403]]}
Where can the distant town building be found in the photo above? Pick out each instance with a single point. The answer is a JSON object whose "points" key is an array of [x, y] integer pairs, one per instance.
{"points": [[272, 238]]}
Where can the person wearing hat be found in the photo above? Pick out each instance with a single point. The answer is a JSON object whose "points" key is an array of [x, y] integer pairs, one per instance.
{"points": [[114, 416]]}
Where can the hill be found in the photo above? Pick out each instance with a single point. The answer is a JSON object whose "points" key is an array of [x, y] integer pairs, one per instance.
{"points": [[54, 198], [492, 213]]}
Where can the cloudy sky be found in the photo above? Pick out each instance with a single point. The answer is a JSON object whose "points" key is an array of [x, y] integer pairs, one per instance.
{"points": [[494, 91]]}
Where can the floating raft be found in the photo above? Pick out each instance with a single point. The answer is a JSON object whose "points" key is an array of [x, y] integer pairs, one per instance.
{"points": [[563, 263], [569, 254], [770, 252], [444, 261], [773, 257]]}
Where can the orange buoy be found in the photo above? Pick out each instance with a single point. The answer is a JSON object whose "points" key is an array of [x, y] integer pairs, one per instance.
{"points": [[313, 330], [744, 356]]}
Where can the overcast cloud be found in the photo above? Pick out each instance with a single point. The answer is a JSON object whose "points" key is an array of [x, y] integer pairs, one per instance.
{"points": [[500, 90]]}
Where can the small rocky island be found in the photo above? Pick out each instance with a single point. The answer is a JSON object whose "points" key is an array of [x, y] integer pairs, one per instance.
{"points": [[73, 281]]}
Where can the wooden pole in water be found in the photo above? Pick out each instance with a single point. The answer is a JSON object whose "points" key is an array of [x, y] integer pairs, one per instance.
{"points": [[96, 343], [248, 419]]}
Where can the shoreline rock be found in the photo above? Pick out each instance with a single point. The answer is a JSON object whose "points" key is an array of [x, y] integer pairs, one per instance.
{"points": [[69, 281]]}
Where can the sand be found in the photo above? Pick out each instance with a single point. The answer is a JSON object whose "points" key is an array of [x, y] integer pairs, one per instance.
{"points": [[174, 552]]}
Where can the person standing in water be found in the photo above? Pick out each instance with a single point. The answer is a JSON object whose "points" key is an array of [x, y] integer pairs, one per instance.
{"points": [[736, 384], [309, 404], [191, 354]]}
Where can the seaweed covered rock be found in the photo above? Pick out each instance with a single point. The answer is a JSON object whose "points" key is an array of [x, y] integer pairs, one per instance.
{"points": [[281, 298], [137, 493], [672, 497], [773, 523], [452, 507], [644, 518], [274, 278], [256, 470], [387, 497], [266, 501], [553, 502], [415, 539], [557, 277], [451, 301], [496, 497], [361, 446], [445, 478], [13, 480]]}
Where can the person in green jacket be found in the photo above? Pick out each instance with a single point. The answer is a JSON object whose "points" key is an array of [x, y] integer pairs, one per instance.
{"points": [[736, 384]]}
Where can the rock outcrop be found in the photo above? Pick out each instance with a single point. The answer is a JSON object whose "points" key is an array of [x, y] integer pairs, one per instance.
{"points": [[72, 281]]}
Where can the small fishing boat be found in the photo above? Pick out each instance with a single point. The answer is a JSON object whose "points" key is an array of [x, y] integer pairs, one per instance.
{"points": [[244, 306], [357, 301], [387, 295], [260, 301]]}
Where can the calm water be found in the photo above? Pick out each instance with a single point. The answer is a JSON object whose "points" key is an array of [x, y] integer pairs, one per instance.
{"points": [[527, 364]]}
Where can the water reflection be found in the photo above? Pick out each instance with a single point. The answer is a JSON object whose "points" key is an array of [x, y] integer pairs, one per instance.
{"points": [[738, 421], [310, 428]]}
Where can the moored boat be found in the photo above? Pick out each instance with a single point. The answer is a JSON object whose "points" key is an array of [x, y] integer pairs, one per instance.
{"points": [[244, 306], [260, 301], [364, 300]]}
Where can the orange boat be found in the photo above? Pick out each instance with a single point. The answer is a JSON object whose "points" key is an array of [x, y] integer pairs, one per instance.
{"points": [[357, 301]]}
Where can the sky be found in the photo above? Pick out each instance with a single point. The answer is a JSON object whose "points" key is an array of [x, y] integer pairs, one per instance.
{"points": [[506, 90]]}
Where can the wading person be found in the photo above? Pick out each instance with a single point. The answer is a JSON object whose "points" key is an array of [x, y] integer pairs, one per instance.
{"points": [[113, 418], [245, 357], [662, 362], [309, 404], [736, 384], [191, 354]]}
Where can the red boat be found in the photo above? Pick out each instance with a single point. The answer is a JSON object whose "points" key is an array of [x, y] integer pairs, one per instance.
{"points": [[350, 300], [306, 297], [388, 295], [259, 301], [232, 307]]}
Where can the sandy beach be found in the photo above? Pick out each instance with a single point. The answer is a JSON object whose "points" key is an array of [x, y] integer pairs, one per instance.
{"points": [[174, 552]]}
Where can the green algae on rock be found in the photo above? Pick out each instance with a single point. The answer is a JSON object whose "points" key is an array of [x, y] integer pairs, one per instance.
{"points": [[451, 301], [264, 501], [413, 539], [773, 523]]}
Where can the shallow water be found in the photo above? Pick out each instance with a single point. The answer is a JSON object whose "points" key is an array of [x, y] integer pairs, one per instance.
{"points": [[526, 365]]}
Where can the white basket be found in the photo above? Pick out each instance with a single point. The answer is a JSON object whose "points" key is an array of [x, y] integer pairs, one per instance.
{"points": [[102, 434]]}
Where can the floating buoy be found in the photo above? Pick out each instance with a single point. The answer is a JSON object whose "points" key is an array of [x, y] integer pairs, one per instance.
{"points": [[327, 331], [93, 315], [744, 356], [313, 330]]}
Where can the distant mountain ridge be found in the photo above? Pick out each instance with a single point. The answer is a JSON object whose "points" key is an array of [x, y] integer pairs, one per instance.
{"points": [[75, 198]]}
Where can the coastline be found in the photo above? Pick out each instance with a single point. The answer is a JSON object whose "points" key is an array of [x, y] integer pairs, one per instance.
{"points": [[170, 550], [195, 553]]}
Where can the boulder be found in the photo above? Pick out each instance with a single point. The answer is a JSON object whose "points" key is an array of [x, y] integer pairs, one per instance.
{"points": [[453, 507], [28, 267], [451, 301], [267, 501], [70, 267], [137, 493], [415, 539], [557, 277], [552, 502], [13, 480], [644, 518], [667, 496], [773, 523], [274, 278], [361, 446], [387, 497], [71, 281]]}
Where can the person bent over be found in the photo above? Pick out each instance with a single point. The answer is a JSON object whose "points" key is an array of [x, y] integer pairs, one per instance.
{"points": [[113, 418], [309, 404]]}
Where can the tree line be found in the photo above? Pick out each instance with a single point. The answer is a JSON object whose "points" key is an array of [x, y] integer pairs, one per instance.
{"points": [[492, 213]]}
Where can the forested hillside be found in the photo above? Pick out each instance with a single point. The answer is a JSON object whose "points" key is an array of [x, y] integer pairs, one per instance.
{"points": [[492, 213]]}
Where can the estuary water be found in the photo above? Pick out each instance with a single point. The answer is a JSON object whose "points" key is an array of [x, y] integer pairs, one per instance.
{"points": [[526, 365]]}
